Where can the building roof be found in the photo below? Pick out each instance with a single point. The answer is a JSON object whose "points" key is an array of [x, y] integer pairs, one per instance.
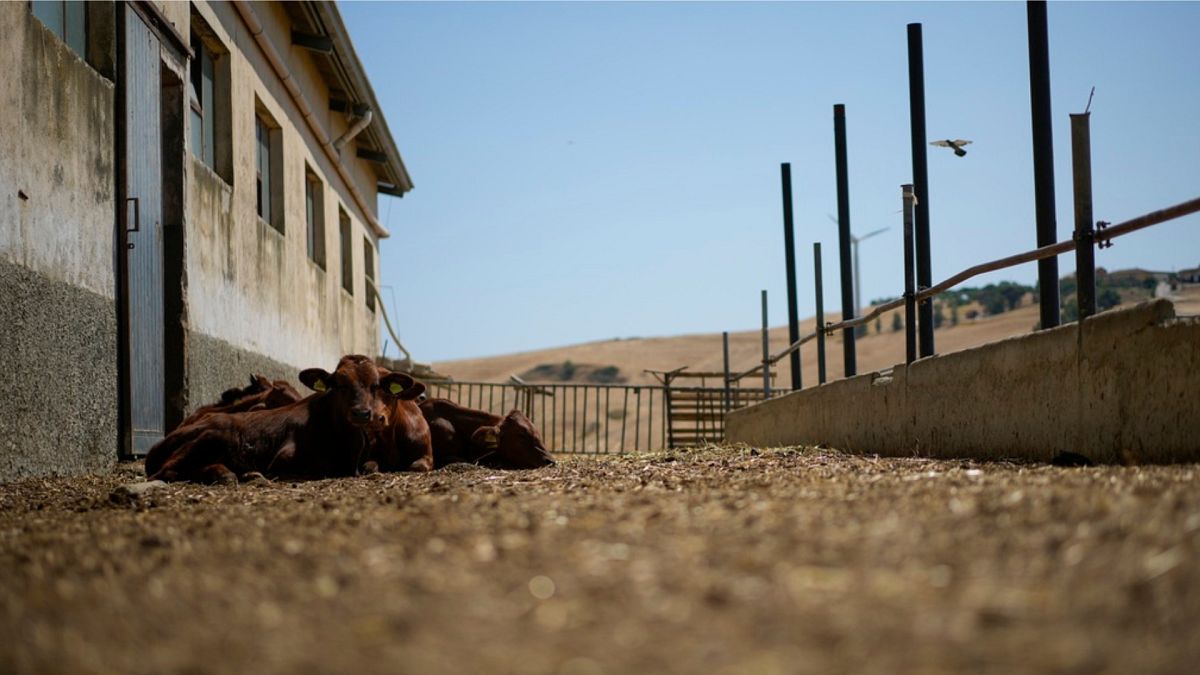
{"points": [[350, 88]]}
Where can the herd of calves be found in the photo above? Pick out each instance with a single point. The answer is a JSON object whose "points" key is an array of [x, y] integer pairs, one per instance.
{"points": [[362, 418]]}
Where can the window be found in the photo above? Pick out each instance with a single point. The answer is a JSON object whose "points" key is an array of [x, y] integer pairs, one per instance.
{"points": [[314, 214], [369, 272], [68, 20], [87, 28], [208, 100], [347, 261], [201, 95], [268, 169]]}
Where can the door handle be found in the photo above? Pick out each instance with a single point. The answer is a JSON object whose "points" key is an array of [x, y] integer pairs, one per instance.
{"points": [[137, 217]]}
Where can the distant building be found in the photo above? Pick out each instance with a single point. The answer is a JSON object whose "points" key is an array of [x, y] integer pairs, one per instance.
{"points": [[1189, 276], [189, 194]]}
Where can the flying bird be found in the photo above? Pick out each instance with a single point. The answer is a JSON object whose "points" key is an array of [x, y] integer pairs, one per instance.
{"points": [[957, 145]]}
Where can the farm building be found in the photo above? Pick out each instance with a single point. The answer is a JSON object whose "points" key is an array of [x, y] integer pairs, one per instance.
{"points": [[189, 194]]}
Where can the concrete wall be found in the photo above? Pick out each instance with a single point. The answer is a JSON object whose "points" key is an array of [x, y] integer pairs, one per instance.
{"points": [[58, 346], [1123, 386], [248, 285]]}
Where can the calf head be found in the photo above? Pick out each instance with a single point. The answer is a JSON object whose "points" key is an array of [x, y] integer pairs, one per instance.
{"points": [[514, 443], [358, 391], [280, 394], [258, 384]]}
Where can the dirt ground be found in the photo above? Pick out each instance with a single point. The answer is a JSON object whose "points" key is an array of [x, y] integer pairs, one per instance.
{"points": [[722, 560]]}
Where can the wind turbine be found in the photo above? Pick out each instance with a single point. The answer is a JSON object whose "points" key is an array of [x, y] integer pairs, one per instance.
{"points": [[855, 241]]}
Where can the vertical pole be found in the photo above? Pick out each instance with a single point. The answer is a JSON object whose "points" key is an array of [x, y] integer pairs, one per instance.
{"points": [[910, 304], [1085, 235], [1043, 158], [820, 313], [857, 281], [916, 108], [766, 360], [843, 200], [725, 350], [785, 171]]}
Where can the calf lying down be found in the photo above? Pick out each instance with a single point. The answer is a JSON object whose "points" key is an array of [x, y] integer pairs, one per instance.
{"points": [[477, 437], [330, 433], [260, 394]]}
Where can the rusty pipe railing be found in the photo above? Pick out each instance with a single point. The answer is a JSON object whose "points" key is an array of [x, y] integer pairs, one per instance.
{"points": [[1104, 235]]}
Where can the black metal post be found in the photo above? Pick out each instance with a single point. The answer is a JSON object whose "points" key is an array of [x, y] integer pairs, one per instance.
{"points": [[910, 302], [916, 111], [766, 361], [725, 350], [820, 312], [785, 173], [1085, 233], [1043, 158], [843, 201]]}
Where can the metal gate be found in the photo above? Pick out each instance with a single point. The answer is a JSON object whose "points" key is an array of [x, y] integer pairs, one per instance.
{"points": [[143, 221]]}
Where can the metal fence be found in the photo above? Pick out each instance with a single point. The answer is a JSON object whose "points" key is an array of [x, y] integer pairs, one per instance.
{"points": [[573, 418], [607, 418]]}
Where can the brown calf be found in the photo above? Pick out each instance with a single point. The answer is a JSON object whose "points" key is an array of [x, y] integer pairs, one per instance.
{"points": [[326, 434], [260, 393], [477, 437], [404, 444]]}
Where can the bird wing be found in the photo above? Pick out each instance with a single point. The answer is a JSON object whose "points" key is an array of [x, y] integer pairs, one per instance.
{"points": [[962, 142], [942, 144]]}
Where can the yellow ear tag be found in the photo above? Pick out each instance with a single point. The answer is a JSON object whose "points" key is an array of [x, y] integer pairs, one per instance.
{"points": [[395, 388], [319, 385]]}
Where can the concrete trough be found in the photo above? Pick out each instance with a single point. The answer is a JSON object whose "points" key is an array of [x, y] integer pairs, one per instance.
{"points": [[1120, 387]]}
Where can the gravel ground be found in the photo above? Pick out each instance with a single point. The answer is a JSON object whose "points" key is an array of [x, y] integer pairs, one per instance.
{"points": [[721, 560]]}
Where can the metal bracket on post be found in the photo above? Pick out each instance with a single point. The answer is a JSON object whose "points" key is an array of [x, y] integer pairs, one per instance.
{"points": [[1103, 242]]}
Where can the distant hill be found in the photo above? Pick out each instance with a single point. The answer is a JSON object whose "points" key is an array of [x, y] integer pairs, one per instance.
{"points": [[628, 358]]}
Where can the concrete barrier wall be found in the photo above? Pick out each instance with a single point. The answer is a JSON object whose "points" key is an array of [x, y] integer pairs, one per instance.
{"points": [[1123, 386]]}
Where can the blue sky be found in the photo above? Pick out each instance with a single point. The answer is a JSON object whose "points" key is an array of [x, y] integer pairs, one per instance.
{"points": [[586, 171]]}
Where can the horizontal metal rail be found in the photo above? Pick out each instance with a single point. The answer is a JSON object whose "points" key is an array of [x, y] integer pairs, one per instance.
{"points": [[1104, 235]]}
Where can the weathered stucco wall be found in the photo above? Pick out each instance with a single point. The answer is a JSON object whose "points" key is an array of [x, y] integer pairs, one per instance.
{"points": [[249, 285], [56, 148], [58, 346], [1122, 386]]}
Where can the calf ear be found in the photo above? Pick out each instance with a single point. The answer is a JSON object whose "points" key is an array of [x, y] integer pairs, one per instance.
{"points": [[402, 386], [488, 437], [315, 379]]}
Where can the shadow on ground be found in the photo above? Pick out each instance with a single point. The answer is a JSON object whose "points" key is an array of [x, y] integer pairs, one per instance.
{"points": [[722, 560]]}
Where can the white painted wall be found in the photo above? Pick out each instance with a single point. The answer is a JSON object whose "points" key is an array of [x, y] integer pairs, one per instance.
{"points": [[56, 146], [247, 283]]}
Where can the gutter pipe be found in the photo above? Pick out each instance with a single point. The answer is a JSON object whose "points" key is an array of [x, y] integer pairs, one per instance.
{"points": [[281, 70]]}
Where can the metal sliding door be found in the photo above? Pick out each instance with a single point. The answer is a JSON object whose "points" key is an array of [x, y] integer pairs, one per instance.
{"points": [[143, 220]]}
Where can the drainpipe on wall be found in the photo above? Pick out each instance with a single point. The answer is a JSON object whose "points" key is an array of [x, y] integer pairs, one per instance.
{"points": [[359, 124], [285, 76]]}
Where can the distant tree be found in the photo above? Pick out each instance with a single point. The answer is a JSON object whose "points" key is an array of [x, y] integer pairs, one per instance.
{"points": [[1070, 311], [937, 315], [1107, 299], [897, 323], [954, 314], [972, 314], [992, 300], [568, 370], [1012, 293], [879, 325]]}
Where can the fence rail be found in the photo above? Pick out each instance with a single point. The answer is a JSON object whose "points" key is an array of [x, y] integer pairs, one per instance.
{"points": [[573, 418], [606, 418], [1103, 237]]}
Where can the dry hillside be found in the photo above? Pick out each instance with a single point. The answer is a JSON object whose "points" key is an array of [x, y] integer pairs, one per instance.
{"points": [[703, 352]]}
